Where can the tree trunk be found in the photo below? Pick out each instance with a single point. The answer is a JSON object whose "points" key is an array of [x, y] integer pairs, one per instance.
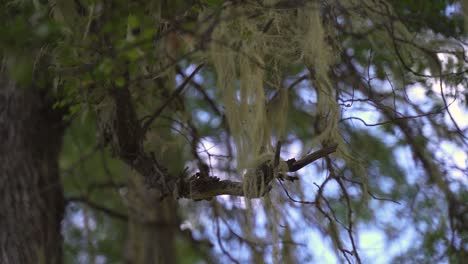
{"points": [[31, 195], [152, 226]]}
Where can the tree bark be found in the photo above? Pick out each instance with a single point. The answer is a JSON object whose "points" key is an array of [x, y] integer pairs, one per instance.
{"points": [[152, 226], [31, 195]]}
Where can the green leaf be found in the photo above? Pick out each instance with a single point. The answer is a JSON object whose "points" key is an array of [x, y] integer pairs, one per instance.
{"points": [[120, 81], [133, 21]]}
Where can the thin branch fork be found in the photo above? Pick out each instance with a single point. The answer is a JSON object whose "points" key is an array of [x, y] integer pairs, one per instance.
{"points": [[176, 93]]}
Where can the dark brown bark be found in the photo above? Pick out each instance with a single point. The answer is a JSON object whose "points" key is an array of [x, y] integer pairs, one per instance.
{"points": [[31, 195]]}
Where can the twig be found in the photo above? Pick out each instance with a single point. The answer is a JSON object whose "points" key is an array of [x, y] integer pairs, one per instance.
{"points": [[98, 207], [200, 89], [292, 199], [218, 236], [177, 92], [297, 165]]}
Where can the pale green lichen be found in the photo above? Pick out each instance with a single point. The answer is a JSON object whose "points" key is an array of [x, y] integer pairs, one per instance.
{"points": [[240, 51]]}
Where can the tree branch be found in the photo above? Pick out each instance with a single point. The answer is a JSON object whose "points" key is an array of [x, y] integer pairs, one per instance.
{"points": [[127, 144], [294, 165], [127, 136], [200, 187], [98, 207], [202, 91], [177, 92]]}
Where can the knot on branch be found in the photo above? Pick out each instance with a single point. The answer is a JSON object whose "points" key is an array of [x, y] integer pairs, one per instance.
{"points": [[189, 187], [257, 181]]}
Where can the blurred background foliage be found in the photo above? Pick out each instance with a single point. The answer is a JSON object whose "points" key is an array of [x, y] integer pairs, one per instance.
{"points": [[79, 47]]}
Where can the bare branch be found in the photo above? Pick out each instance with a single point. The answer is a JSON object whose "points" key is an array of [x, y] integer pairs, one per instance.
{"points": [[98, 207], [202, 91], [297, 165], [199, 187], [177, 92]]}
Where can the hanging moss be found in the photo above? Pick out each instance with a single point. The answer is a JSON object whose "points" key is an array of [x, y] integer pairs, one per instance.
{"points": [[238, 51]]}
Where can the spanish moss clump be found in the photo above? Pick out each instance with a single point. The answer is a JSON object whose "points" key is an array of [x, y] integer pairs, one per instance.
{"points": [[318, 58], [241, 80], [246, 53]]}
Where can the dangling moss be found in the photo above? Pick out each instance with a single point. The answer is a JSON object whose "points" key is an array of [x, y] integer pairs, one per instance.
{"points": [[245, 53], [318, 57], [241, 80]]}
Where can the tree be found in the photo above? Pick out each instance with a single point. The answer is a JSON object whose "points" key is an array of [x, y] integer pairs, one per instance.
{"points": [[231, 129], [32, 197], [32, 200]]}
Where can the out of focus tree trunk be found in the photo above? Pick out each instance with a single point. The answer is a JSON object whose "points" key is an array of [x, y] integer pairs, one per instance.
{"points": [[152, 223]]}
